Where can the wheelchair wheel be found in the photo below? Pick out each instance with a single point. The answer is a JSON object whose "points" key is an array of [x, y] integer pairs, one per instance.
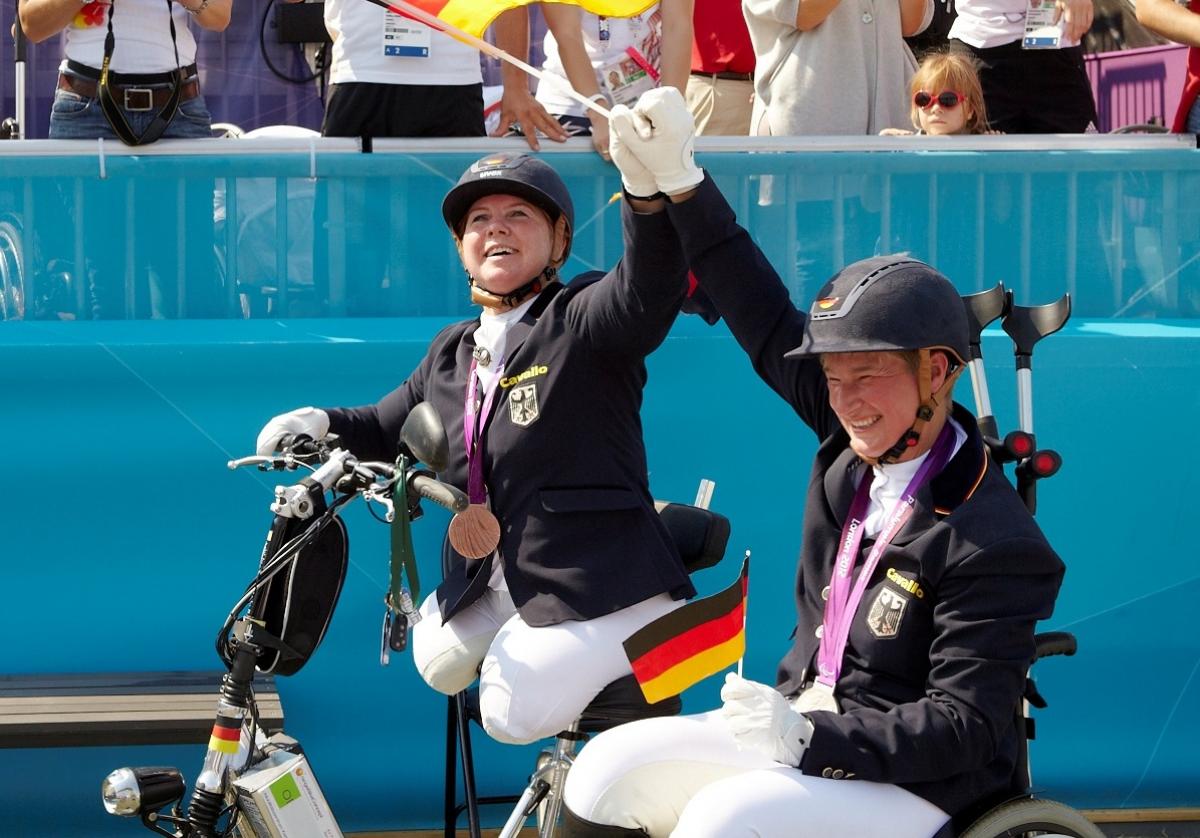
{"points": [[12, 272], [1032, 817]]}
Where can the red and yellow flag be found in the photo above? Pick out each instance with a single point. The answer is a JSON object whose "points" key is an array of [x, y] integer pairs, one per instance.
{"points": [[474, 16], [692, 642]]}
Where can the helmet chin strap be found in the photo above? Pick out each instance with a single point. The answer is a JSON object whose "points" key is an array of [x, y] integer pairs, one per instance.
{"points": [[487, 299], [929, 401]]}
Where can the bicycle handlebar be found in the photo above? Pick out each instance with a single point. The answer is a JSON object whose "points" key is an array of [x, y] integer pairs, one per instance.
{"points": [[336, 464], [443, 494]]}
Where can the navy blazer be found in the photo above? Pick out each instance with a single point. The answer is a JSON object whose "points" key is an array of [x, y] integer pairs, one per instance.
{"points": [[564, 459], [938, 651]]}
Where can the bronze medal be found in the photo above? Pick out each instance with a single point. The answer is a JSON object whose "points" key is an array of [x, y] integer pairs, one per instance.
{"points": [[474, 532]]}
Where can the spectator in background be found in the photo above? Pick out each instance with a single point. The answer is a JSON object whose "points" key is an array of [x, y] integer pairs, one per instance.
{"points": [[611, 60], [947, 98], [831, 66], [153, 47], [1028, 91], [395, 77], [1182, 25], [720, 90]]}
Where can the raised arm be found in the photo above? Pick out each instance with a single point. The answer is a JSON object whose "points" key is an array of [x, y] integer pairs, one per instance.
{"points": [[726, 262], [631, 310], [1171, 20]]}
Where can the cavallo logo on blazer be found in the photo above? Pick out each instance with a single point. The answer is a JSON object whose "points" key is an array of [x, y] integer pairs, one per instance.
{"points": [[886, 613], [523, 405]]}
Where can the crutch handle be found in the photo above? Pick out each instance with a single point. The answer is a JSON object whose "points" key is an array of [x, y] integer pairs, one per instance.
{"points": [[1026, 325], [983, 308]]}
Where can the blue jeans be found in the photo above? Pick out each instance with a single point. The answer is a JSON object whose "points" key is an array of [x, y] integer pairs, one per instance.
{"points": [[75, 117], [1193, 120]]}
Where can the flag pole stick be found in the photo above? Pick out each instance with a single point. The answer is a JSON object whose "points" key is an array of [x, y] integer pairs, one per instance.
{"points": [[408, 10], [745, 615]]}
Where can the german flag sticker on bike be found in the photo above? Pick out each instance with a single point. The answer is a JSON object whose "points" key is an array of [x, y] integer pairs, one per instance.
{"points": [[692, 642], [224, 739]]}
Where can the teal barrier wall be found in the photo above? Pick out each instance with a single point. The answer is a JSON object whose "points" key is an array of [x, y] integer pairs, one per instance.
{"points": [[291, 230], [126, 540]]}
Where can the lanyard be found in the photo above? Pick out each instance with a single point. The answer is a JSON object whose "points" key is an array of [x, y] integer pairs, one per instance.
{"points": [[474, 418], [845, 598]]}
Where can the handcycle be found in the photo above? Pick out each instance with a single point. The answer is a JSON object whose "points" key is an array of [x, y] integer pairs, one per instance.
{"points": [[264, 633]]}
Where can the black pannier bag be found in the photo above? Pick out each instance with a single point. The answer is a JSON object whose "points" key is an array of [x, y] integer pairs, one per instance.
{"points": [[299, 601]]}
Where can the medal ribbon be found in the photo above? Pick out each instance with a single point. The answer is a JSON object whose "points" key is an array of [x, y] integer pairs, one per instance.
{"points": [[844, 598], [473, 422]]}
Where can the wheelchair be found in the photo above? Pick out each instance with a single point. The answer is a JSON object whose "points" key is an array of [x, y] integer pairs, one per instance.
{"points": [[1021, 813]]}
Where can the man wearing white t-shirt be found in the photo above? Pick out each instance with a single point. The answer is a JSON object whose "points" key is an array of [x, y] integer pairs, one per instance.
{"points": [[1034, 81], [152, 46]]}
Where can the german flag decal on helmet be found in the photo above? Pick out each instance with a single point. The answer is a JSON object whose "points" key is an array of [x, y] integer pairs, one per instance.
{"points": [[827, 303]]}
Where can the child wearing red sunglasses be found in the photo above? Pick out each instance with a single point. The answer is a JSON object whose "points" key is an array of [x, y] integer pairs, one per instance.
{"points": [[947, 97]]}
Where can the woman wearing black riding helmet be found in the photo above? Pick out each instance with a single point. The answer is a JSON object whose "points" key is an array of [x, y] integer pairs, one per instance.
{"points": [[921, 574], [562, 553]]}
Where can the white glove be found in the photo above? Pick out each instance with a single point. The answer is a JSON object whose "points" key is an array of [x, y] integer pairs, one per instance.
{"points": [[311, 421], [759, 717], [661, 132], [635, 177]]}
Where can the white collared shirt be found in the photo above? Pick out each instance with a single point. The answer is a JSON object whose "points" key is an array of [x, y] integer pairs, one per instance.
{"points": [[892, 479]]}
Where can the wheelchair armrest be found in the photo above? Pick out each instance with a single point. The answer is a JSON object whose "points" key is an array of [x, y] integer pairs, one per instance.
{"points": [[700, 535]]}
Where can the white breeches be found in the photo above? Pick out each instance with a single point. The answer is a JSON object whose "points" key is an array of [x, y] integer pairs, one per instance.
{"points": [[534, 681], [685, 776]]}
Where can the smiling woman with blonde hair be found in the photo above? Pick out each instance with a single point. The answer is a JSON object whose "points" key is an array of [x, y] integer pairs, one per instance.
{"points": [[561, 554]]}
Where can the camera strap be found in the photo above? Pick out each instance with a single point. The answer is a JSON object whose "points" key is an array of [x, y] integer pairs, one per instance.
{"points": [[113, 111]]}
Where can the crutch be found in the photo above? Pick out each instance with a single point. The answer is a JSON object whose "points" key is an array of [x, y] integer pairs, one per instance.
{"points": [[983, 308], [13, 128], [1026, 325]]}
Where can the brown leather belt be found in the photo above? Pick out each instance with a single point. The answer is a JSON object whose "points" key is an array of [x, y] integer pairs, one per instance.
{"points": [[725, 75], [130, 96]]}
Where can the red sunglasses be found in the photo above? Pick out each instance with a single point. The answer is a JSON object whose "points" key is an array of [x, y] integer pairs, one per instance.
{"points": [[948, 99]]}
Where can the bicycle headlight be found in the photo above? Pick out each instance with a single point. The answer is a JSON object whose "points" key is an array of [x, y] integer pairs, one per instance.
{"points": [[131, 791]]}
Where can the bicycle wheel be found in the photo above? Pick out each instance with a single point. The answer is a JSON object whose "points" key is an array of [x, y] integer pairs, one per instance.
{"points": [[1032, 817]]}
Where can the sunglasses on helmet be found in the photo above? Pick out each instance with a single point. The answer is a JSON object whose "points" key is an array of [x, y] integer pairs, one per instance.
{"points": [[948, 99]]}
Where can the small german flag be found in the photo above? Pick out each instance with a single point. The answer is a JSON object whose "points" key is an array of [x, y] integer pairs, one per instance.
{"points": [[692, 642]]}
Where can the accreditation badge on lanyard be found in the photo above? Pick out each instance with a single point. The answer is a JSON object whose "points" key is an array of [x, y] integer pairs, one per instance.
{"points": [[405, 38], [846, 595], [1042, 31]]}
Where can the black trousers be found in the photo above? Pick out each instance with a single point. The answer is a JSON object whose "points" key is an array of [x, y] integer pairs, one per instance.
{"points": [[367, 109], [1034, 91]]}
